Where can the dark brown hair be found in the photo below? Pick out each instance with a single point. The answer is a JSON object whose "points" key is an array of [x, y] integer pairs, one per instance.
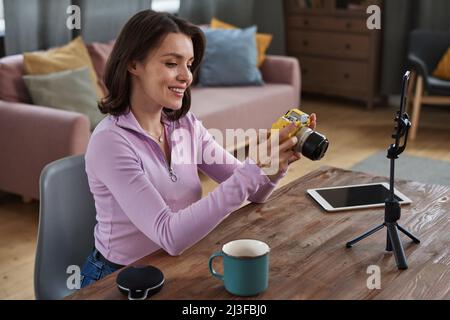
{"points": [[142, 33]]}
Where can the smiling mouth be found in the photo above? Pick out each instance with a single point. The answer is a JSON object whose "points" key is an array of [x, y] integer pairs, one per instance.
{"points": [[178, 91]]}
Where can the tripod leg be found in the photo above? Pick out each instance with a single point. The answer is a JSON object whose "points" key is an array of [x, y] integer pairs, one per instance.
{"points": [[365, 235], [397, 246], [413, 238], [388, 242]]}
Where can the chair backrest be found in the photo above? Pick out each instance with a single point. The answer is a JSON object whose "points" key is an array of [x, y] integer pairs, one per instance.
{"points": [[429, 46], [66, 227]]}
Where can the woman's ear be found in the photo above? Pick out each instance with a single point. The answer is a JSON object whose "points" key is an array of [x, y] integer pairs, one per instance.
{"points": [[132, 68]]}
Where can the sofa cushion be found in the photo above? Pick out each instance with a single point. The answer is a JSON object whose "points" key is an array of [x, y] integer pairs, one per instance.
{"points": [[242, 107], [442, 70], [263, 40], [71, 56], [230, 58], [12, 87], [99, 53], [69, 90]]}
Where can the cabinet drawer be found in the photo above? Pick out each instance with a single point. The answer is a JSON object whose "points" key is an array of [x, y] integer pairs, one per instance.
{"points": [[328, 23], [334, 74], [329, 44]]}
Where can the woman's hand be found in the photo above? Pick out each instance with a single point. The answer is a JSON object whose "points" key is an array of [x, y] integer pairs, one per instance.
{"points": [[296, 156], [273, 163]]}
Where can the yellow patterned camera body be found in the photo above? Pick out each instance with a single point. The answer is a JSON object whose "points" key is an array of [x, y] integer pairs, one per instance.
{"points": [[310, 143], [300, 118]]}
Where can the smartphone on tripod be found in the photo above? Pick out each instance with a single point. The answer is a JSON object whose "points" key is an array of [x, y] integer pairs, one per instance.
{"points": [[392, 211], [402, 117]]}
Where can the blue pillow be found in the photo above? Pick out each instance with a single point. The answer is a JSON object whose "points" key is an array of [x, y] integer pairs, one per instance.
{"points": [[230, 58]]}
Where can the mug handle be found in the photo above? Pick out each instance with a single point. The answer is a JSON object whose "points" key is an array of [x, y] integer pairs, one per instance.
{"points": [[211, 269]]}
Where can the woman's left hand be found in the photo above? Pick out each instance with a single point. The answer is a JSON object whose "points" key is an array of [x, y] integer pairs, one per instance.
{"points": [[312, 125]]}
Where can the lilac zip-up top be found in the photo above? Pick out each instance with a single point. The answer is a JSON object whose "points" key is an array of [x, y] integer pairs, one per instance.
{"points": [[144, 203]]}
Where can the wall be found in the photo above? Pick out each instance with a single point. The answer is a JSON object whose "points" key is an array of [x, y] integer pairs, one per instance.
{"points": [[2, 46], [266, 14]]}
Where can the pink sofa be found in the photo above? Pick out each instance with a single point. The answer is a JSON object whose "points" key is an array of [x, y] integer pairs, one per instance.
{"points": [[33, 136]]}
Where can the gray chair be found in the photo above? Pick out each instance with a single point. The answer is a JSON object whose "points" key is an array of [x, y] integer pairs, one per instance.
{"points": [[426, 48], [66, 226]]}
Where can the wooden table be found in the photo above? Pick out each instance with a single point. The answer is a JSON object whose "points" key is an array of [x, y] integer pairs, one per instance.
{"points": [[308, 258]]}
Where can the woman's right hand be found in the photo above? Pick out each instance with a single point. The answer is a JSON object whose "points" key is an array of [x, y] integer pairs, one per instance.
{"points": [[274, 155]]}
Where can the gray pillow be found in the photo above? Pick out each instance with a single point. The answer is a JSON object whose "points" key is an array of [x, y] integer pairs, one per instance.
{"points": [[70, 90], [230, 58]]}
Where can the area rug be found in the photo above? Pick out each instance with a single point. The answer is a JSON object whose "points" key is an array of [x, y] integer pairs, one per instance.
{"points": [[407, 167]]}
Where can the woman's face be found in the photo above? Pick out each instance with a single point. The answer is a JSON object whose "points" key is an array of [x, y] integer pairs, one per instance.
{"points": [[165, 74]]}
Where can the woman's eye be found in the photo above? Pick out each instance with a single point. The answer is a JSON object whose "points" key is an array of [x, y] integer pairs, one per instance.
{"points": [[174, 65]]}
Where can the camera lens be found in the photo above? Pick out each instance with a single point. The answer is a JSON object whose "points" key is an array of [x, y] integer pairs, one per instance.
{"points": [[311, 144]]}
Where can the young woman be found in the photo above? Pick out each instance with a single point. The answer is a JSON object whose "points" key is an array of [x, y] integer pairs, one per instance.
{"points": [[146, 196]]}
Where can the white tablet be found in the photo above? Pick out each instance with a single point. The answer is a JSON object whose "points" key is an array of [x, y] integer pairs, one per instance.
{"points": [[352, 197]]}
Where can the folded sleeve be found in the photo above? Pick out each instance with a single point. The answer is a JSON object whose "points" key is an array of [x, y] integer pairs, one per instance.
{"points": [[112, 160]]}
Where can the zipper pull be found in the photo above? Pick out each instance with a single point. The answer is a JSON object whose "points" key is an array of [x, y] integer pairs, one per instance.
{"points": [[172, 175]]}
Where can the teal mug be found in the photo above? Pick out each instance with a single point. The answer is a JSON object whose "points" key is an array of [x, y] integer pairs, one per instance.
{"points": [[245, 266]]}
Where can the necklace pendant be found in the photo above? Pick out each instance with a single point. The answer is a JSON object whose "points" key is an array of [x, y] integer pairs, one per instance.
{"points": [[160, 139]]}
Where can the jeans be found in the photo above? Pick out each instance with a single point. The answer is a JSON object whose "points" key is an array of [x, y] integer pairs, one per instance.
{"points": [[94, 270]]}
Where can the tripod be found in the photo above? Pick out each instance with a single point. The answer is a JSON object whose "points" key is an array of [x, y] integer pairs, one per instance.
{"points": [[392, 209]]}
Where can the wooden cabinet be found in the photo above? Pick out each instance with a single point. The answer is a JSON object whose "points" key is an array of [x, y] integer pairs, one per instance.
{"points": [[337, 52]]}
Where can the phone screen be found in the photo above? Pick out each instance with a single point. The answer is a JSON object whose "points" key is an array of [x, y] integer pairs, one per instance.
{"points": [[404, 97]]}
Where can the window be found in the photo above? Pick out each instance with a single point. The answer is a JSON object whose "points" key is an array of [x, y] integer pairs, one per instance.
{"points": [[171, 6]]}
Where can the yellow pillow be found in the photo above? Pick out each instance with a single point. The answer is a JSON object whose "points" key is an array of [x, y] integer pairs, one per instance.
{"points": [[443, 69], [73, 55], [262, 39]]}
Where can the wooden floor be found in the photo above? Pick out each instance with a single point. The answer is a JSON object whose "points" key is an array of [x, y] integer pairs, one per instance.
{"points": [[354, 133]]}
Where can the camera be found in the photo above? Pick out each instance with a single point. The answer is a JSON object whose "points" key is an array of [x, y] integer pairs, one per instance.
{"points": [[311, 144]]}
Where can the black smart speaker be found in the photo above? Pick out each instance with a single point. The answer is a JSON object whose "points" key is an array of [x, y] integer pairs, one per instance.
{"points": [[140, 282]]}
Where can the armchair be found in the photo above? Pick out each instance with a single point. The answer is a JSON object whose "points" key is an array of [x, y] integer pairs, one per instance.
{"points": [[426, 48]]}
